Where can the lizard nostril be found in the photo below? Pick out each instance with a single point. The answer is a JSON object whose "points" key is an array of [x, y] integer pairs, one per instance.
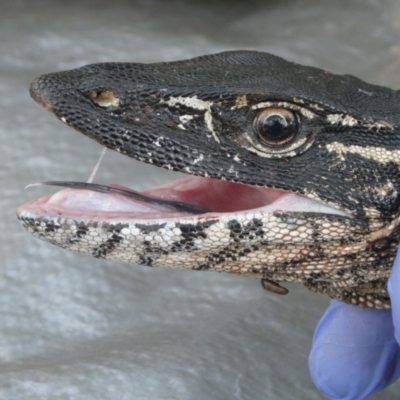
{"points": [[105, 98]]}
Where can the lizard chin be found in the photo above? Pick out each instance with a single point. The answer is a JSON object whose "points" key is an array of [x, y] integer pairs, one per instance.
{"points": [[212, 195]]}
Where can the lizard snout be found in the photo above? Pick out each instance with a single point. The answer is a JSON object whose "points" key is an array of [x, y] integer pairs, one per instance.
{"points": [[40, 93]]}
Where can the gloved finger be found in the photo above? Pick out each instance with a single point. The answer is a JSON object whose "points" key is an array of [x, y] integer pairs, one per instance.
{"points": [[354, 352], [394, 292]]}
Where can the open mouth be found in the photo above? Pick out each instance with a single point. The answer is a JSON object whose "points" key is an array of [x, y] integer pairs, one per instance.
{"points": [[117, 121], [184, 198]]}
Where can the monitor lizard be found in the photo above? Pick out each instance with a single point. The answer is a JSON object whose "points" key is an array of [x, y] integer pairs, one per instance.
{"points": [[293, 171]]}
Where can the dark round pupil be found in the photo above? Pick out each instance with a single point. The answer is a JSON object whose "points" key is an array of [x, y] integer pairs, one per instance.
{"points": [[275, 127]]}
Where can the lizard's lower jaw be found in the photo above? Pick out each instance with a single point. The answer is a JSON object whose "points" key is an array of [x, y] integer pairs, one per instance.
{"points": [[212, 194]]}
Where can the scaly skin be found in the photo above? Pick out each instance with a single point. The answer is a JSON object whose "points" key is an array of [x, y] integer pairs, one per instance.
{"points": [[197, 116]]}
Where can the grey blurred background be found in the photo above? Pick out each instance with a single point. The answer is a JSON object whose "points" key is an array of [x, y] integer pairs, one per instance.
{"points": [[73, 327]]}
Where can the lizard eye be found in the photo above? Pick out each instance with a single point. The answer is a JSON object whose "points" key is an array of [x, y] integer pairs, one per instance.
{"points": [[276, 126]]}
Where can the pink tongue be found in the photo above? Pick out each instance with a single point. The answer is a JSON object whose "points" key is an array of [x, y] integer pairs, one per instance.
{"points": [[214, 194], [211, 194]]}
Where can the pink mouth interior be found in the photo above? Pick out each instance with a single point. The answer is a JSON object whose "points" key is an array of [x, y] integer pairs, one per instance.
{"points": [[212, 194], [215, 195]]}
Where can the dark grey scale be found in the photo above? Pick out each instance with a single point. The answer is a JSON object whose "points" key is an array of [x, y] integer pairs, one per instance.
{"points": [[236, 230], [74, 239], [154, 249], [183, 245], [201, 267], [189, 232], [109, 245], [229, 252], [51, 226], [198, 229], [176, 247], [253, 228], [148, 228], [31, 223], [82, 230], [215, 258], [340, 272], [102, 250], [315, 275], [117, 228], [115, 238], [146, 260], [195, 123]]}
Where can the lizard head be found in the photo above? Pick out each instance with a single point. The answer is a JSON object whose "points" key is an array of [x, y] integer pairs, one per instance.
{"points": [[253, 128], [245, 117]]}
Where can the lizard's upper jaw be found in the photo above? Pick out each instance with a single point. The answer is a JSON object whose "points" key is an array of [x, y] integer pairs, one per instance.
{"points": [[211, 196], [150, 113]]}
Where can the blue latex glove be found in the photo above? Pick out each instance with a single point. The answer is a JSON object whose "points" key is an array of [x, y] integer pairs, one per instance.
{"points": [[356, 351]]}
